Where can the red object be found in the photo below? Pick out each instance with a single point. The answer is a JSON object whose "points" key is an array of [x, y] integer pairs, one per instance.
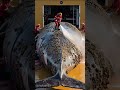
{"points": [[58, 19], [116, 6], [4, 6], [83, 27], [37, 28]]}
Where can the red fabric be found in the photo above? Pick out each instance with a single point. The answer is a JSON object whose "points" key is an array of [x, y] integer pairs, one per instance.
{"points": [[37, 28], [83, 28], [57, 20]]}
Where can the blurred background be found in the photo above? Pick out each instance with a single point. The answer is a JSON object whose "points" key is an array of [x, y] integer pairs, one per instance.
{"points": [[101, 17]]}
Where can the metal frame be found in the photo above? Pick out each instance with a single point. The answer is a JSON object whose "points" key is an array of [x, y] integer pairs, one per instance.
{"points": [[79, 15], [59, 5]]}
